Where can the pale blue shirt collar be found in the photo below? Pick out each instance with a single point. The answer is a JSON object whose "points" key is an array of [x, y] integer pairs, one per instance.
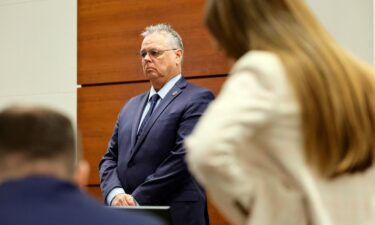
{"points": [[166, 88]]}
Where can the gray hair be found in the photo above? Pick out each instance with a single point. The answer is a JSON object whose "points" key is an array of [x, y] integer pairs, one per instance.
{"points": [[166, 28]]}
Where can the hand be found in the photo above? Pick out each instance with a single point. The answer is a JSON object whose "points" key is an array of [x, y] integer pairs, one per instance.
{"points": [[123, 200]]}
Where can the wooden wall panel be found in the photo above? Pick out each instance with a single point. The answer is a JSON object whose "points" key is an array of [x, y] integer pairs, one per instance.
{"points": [[109, 38], [98, 107], [94, 191], [109, 68]]}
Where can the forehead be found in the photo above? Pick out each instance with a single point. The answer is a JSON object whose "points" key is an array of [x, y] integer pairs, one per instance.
{"points": [[155, 40]]}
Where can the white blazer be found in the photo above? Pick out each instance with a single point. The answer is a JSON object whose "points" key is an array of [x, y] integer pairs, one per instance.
{"points": [[247, 151]]}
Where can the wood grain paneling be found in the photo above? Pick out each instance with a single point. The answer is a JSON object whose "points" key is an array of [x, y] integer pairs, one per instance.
{"points": [[95, 192], [97, 113], [98, 109], [110, 72], [109, 38]]}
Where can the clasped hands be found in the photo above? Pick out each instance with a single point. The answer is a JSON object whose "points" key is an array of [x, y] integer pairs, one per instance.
{"points": [[123, 200]]}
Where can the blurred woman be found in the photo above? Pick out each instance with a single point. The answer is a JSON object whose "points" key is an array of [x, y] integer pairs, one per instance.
{"points": [[291, 137]]}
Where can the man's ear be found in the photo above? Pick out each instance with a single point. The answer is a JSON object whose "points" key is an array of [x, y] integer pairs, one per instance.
{"points": [[81, 174], [179, 55]]}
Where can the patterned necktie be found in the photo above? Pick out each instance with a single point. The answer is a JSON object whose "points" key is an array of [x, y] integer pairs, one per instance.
{"points": [[153, 100]]}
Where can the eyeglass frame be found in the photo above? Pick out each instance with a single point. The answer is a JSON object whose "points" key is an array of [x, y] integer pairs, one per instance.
{"points": [[154, 53]]}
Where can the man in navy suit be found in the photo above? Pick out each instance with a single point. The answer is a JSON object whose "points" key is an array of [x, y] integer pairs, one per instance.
{"points": [[38, 168], [144, 163]]}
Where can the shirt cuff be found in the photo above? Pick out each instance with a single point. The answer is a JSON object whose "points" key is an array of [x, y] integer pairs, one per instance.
{"points": [[113, 193]]}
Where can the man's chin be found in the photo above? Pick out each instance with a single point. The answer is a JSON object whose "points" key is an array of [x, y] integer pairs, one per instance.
{"points": [[151, 75]]}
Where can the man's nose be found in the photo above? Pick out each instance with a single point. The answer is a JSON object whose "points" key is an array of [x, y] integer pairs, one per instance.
{"points": [[147, 57]]}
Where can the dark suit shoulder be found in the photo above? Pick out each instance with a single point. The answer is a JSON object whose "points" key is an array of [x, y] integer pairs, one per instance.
{"points": [[135, 100], [196, 91]]}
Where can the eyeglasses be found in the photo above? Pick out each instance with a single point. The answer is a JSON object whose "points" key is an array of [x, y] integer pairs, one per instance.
{"points": [[154, 53]]}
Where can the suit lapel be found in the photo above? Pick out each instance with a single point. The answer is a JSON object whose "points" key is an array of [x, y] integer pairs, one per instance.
{"points": [[172, 94], [138, 115]]}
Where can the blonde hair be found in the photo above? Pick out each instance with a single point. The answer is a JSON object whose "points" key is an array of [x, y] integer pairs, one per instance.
{"points": [[336, 92]]}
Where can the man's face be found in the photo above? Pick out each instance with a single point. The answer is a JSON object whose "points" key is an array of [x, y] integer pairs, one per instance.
{"points": [[160, 60]]}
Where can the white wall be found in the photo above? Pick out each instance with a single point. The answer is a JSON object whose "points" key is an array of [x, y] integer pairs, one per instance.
{"points": [[351, 22], [38, 53]]}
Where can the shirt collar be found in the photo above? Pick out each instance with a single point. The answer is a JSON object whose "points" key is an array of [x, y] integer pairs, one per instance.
{"points": [[166, 88]]}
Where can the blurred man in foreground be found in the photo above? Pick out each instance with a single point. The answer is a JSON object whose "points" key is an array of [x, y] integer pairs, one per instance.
{"points": [[39, 173]]}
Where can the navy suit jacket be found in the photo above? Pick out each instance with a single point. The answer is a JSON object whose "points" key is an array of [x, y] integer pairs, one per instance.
{"points": [[153, 169], [48, 201]]}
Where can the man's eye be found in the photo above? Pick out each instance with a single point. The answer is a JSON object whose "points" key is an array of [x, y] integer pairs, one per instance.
{"points": [[143, 54], [154, 53]]}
